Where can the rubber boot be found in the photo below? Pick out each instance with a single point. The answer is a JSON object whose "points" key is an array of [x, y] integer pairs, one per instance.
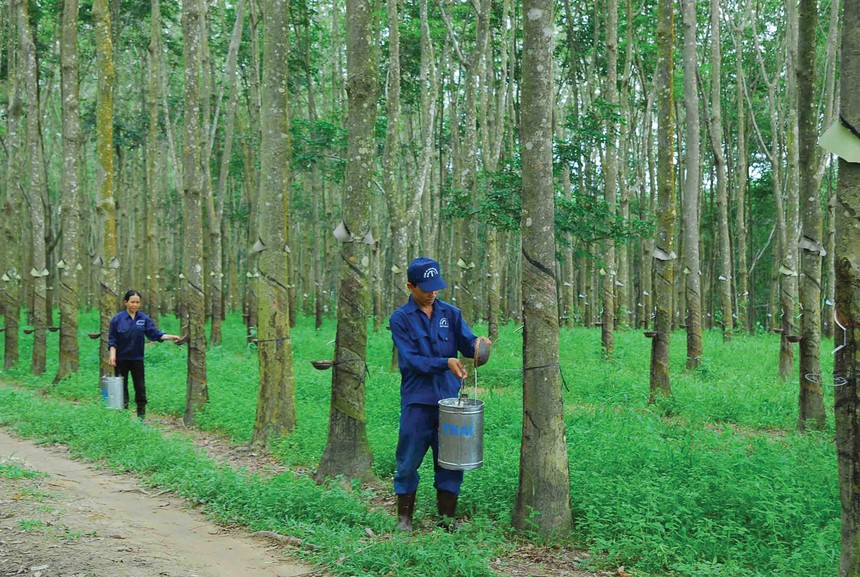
{"points": [[405, 508], [446, 504]]}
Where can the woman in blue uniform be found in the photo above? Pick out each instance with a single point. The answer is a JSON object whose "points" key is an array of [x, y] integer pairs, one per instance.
{"points": [[125, 342]]}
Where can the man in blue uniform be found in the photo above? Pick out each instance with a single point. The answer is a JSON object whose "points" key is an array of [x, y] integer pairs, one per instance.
{"points": [[428, 334]]}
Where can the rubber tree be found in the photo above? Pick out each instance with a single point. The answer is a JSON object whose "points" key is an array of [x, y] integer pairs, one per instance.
{"points": [[70, 264], [276, 398], [847, 338], [543, 493], [197, 392], [347, 451], [664, 254]]}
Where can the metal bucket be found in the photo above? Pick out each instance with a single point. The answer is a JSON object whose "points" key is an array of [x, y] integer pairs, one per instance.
{"points": [[112, 391], [461, 434]]}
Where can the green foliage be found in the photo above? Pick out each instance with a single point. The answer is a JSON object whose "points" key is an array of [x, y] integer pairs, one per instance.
{"points": [[714, 482], [316, 142], [589, 219]]}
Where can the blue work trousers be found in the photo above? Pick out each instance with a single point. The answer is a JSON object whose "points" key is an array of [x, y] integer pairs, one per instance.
{"points": [[419, 430]]}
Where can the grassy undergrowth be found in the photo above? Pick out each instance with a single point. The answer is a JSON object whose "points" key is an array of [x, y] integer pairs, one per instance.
{"points": [[714, 482]]}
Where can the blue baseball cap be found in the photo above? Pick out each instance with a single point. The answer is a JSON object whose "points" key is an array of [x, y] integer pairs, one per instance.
{"points": [[425, 273]]}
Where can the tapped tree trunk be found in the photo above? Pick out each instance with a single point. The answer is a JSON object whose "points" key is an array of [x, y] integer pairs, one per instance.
{"points": [[543, 494], [152, 276], [36, 193], [348, 451], [724, 285], [70, 259], [276, 400], [848, 304], [107, 259], [690, 201], [789, 269], [197, 393], [610, 184], [664, 255], [811, 403], [745, 313], [12, 204]]}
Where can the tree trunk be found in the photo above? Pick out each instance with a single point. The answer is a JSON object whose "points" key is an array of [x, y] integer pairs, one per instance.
{"points": [[745, 313], [626, 306], [69, 264], [664, 255], [36, 193], [11, 275], [105, 205], [152, 206], [789, 290], [610, 176], [543, 495], [690, 201], [724, 284], [829, 107], [348, 451], [276, 400], [847, 369], [197, 393], [811, 401]]}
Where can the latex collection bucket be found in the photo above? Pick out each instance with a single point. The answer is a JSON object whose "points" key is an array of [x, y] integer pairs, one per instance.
{"points": [[112, 392], [461, 434]]}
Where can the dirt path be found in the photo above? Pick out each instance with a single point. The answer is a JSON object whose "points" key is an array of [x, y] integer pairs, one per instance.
{"points": [[79, 521]]}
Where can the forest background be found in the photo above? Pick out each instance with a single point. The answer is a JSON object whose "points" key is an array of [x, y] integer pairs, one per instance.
{"points": [[206, 155], [447, 141]]}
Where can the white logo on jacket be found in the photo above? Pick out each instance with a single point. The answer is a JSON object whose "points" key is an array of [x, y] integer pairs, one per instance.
{"points": [[443, 322]]}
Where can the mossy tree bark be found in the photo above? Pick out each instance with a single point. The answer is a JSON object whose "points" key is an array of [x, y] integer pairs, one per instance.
{"points": [[690, 200], [105, 206], [610, 181], [12, 201], [347, 450], [664, 254], [543, 494], [197, 393], [811, 402], [70, 264], [847, 338], [153, 179], [724, 278], [35, 194], [276, 399]]}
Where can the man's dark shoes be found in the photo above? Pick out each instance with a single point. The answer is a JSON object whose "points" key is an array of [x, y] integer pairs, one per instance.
{"points": [[405, 508], [447, 506]]}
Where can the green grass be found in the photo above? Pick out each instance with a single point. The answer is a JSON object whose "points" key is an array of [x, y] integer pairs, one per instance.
{"points": [[15, 472], [714, 482]]}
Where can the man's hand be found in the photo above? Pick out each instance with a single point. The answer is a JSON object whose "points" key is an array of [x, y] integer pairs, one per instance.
{"points": [[456, 367], [112, 360]]}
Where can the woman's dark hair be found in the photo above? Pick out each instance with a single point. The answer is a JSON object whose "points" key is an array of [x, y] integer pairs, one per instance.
{"points": [[131, 293]]}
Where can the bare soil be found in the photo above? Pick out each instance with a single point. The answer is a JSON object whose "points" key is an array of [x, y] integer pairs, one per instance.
{"points": [[78, 520]]}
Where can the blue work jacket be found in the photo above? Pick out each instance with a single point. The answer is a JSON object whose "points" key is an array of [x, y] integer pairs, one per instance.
{"points": [[127, 335], [424, 346]]}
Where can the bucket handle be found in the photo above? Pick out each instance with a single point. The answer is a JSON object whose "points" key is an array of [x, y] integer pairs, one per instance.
{"points": [[463, 384]]}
